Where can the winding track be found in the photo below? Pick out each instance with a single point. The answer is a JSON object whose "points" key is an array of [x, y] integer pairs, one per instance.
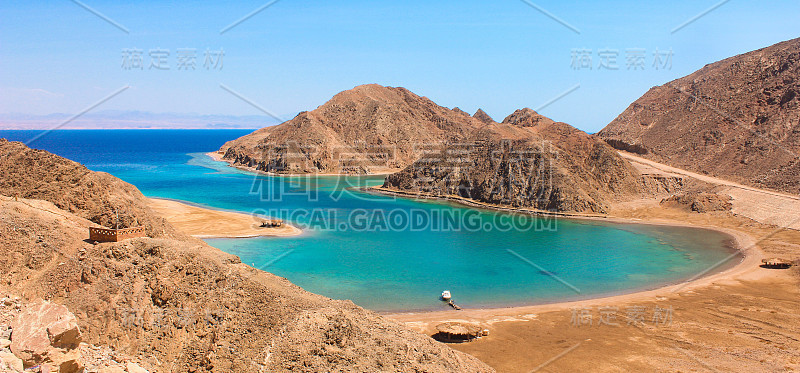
{"points": [[764, 206]]}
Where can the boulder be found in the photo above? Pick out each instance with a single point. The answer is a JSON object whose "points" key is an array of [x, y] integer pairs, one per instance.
{"points": [[65, 361], [45, 332], [5, 332], [10, 363], [64, 332], [135, 368]]}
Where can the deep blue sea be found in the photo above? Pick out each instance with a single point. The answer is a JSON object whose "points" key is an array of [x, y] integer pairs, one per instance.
{"points": [[390, 254]]}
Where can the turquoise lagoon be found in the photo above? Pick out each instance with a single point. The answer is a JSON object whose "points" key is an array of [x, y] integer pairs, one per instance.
{"points": [[391, 254]]}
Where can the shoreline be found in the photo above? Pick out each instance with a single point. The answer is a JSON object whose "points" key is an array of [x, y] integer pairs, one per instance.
{"points": [[744, 245], [203, 222], [477, 204], [217, 156]]}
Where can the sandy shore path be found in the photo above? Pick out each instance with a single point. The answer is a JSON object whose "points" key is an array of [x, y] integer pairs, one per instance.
{"points": [[207, 223]]}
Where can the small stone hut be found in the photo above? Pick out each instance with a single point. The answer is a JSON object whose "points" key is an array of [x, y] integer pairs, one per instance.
{"points": [[115, 235]]}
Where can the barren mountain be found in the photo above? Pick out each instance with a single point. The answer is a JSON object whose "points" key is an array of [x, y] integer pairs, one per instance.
{"points": [[483, 117], [527, 161], [175, 302], [737, 119], [367, 129]]}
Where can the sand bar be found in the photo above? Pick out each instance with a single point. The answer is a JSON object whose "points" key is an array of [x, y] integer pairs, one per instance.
{"points": [[208, 223]]}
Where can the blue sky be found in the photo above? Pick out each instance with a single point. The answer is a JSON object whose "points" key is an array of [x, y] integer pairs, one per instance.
{"points": [[56, 56]]}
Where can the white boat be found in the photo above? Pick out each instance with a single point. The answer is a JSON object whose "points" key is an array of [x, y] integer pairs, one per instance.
{"points": [[446, 295]]}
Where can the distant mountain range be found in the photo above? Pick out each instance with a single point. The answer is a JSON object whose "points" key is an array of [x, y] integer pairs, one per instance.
{"points": [[127, 119]]}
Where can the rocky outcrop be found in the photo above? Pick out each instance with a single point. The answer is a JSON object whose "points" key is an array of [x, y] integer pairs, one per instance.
{"points": [[367, 129], [527, 161], [483, 117], [737, 119], [47, 333], [96, 196], [185, 306], [699, 202], [46, 338], [460, 112]]}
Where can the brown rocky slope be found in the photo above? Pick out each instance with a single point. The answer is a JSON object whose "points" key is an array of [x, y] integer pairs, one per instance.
{"points": [[368, 129], [96, 196], [737, 119], [178, 304], [527, 161]]}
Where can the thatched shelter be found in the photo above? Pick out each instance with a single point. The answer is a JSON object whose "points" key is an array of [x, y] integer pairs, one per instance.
{"points": [[271, 223], [776, 263], [457, 332]]}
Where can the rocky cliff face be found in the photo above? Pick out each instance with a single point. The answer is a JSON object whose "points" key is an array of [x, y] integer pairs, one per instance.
{"points": [[738, 119], [178, 303], [528, 161], [367, 129]]}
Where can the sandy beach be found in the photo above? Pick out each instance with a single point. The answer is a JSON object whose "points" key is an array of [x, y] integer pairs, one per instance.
{"points": [[207, 223], [217, 156], [744, 317]]}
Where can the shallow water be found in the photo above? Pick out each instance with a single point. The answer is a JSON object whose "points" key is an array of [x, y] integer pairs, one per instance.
{"points": [[386, 253]]}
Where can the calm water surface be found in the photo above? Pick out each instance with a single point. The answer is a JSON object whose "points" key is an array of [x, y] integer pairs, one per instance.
{"points": [[394, 254]]}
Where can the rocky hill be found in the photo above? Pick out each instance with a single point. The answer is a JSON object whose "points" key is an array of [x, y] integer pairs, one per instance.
{"points": [[368, 129], [737, 119], [483, 117], [96, 196], [372, 128], [527, 161], [175, 303]]}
